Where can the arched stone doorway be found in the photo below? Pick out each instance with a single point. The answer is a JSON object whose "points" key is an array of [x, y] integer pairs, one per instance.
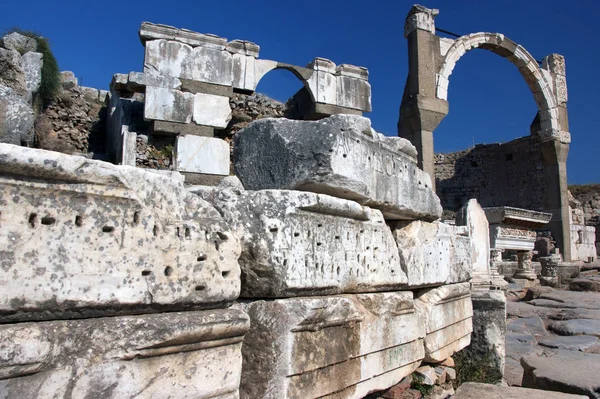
{"points": [[425, 104]]}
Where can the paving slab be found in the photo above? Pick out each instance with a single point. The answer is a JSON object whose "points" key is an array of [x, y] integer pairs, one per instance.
{"points": [[533, 325], [572, 343], [587, 300], [549, 303], [585, 284], [473, 390], [519, 345], [564, 371], [576, 327]]}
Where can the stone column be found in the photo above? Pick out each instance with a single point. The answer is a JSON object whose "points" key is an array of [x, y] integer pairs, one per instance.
{"points": [[525, 267], [421, 111], [498, 281]]}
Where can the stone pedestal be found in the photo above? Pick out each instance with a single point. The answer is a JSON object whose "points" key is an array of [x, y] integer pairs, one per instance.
{"points": [[525, 268]]}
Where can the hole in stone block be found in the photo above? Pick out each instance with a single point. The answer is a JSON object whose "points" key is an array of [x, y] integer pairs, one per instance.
{"points": [[146, 272], [168, 271], [48, 220], [200, 287], [108, 229], [296, 234], [320, 225], [319, 244], [285, 262], [136, 217], [188, 232], [222, 236], [273, 229], [33, 219], [202, 257], [338, 271], [345, 155], [217, 245], [337, 237], [225, 273], [78, 221], [331, 150], [474, 164], [155, 230]]}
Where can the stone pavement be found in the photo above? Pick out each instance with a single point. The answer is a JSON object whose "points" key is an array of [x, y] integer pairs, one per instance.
{"points": [[552, 341]]}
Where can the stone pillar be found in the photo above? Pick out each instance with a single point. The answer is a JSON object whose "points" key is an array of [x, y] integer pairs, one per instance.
{"points": [[498, 281], [525, 267], [550, 270], [421, 111], [555, 198]]}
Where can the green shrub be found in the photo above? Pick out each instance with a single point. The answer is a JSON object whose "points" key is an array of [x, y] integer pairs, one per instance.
{"points": [[50, 85]]}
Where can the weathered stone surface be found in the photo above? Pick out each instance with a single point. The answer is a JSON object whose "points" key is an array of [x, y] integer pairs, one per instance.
{"points": [[342, 346], [585, 284], [199, 154], [69, 80], [298, 243], [168, 58], [573, 343], [433, 253], [82, 237], [473, 216], [564, 371], [576, 327], [487, 348], [18, 42], [11, 71], [168, 105], [16, 118], [533, 325], [137, 81], [475, 390], [178, 355], [32, 68], [211, 110], [212, 66], [340, 156], [150, 31], [447, 314]]}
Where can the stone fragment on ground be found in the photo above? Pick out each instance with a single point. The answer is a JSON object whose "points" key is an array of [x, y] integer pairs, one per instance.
{"points": [[98, 239], [312, 347], [564, 371], [473, 390], [186, 354], [341, 156], [585, 284], [573, 343], [576, 327]]}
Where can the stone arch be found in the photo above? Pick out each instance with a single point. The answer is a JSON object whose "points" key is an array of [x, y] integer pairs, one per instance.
{"points": [[538, 79], [303, 74]]}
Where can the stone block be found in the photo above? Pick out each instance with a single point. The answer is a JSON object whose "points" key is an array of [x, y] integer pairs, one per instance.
{"points": [[446, 313], [32, 67], [69, 80], [168, 58], [473, 216], [475, 390], [166, 128], [433, 253], [137, 81], [297, 243], [17, 118], [341, 156], [342, 346], [151, 32], [353, 93], [212, 66], [11, 72], [83, 238], [211, 110], [168, 105], [194, 86], [118, 82], [178, 355], [18, 42], [243, 47], [199, 154]]}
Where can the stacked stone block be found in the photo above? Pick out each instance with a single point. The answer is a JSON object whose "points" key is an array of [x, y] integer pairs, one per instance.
{"points": [[348, 280], [93, 255], [188, 79]]}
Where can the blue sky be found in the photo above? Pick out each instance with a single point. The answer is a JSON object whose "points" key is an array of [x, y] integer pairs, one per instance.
{"points": [[489, 100]]}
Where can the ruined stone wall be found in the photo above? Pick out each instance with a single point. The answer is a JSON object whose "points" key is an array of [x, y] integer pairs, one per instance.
{"points": [[508, 174]]}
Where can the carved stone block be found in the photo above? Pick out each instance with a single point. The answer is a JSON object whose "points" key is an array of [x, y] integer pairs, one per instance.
{"points": [[86, 238]]}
